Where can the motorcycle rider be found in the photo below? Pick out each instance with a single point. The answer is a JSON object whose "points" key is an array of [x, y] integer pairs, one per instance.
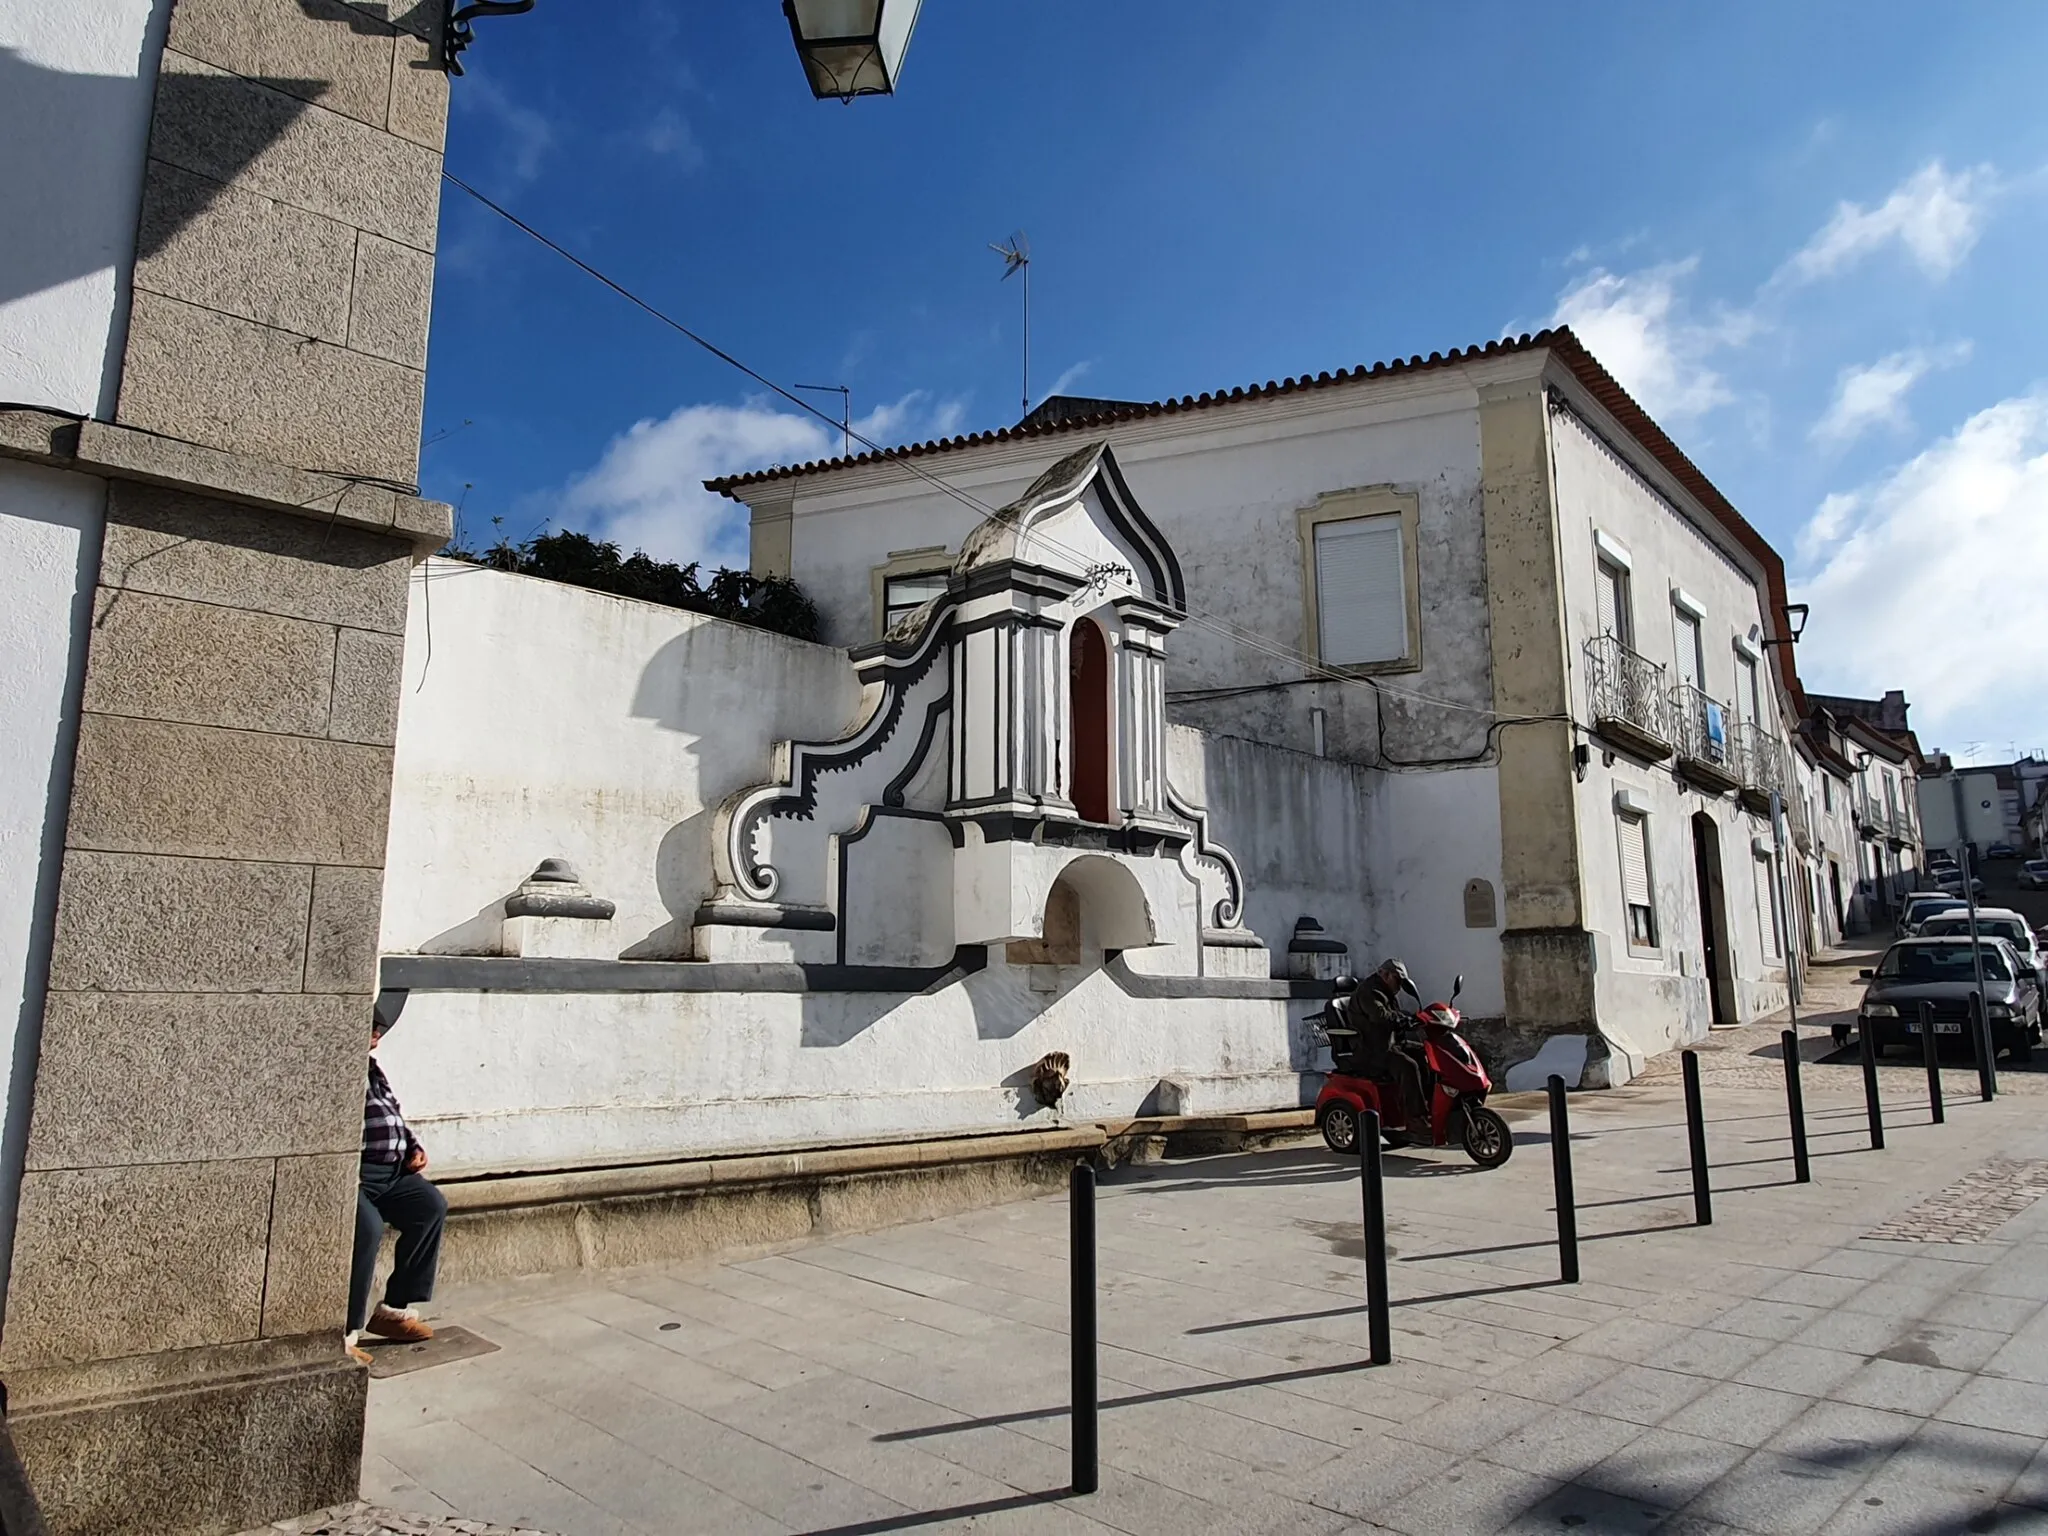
{"points": [[1373, 1011]]}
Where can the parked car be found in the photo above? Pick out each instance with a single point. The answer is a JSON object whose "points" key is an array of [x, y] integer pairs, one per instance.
{"points": [[1921, 905], [2034, 874], [1942, 973], [1995, 923], [1951, 881], [2001, 851]]}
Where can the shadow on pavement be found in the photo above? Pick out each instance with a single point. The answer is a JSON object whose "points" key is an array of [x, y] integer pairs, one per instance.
{"points": [[1131, 1400], [911, 1519], [1354, 1309]]}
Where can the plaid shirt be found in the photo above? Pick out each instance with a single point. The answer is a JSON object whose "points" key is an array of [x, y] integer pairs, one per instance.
{"points": [[386, 1136]]}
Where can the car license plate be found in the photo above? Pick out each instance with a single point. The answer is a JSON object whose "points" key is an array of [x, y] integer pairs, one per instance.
{"points": [[1941, 1026]]}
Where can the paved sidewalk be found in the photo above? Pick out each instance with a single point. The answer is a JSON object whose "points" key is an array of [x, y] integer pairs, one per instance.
{"points": [[1780, 1371]]}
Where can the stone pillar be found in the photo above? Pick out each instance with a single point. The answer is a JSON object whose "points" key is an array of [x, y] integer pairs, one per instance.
{"points": [[1546, 953], [172, 1338]]}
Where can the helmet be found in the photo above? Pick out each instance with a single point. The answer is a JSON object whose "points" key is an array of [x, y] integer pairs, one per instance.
{"points": [[1344, 984]]}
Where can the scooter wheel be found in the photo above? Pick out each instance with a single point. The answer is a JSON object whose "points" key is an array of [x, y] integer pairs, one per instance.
{"points": [[1340, 1129], [1487, 1141]]}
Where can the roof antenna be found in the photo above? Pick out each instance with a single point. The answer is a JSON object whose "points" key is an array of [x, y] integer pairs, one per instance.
{"points": [[1016, 254]]}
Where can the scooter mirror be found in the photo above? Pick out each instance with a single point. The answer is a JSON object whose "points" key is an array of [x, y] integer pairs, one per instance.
{"points": [[1457, 986]]}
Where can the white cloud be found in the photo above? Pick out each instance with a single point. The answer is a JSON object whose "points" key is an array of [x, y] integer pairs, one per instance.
{"points": [[524, 134], [1874, 395], [646, 491], [1923, 579], [668, 135], [1936, 216], [1068, 379], [1637, 326]]}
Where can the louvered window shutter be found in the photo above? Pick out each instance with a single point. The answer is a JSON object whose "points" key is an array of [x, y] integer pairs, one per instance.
{"points": [[1361, 591], [1609, 590], [1686, 632], [1635, 861]]}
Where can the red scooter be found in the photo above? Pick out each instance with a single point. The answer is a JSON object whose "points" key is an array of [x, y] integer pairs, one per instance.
{"points": [[1454, 1084]]}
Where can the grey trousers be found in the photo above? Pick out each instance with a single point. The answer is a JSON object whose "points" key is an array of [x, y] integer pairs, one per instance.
{"points": [[408, 1202]]}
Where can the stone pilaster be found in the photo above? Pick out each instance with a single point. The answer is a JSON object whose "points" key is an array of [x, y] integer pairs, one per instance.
{"points": [[172, 1340]]}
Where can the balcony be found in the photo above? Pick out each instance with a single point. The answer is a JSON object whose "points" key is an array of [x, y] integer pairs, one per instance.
{"points": [[1628, 699], [1700, 726], [1759, 759]]}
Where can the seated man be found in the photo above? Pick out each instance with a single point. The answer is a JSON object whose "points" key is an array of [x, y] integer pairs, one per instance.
{"points": [[393, 1189], [1374, 1013]]}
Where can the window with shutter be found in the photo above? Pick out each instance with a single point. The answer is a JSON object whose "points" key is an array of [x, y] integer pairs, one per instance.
{"points": [[1686, 637], [1612, 594], [1633, 833], [1361, 591], [1749, 696]]}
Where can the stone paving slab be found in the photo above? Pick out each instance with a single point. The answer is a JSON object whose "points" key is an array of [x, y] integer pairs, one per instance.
{"points": [[1781, 1371]]}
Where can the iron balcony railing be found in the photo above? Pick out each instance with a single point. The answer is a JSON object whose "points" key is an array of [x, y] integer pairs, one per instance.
{"points": [[1627, 690], [1760, 758], [1701, 726]]}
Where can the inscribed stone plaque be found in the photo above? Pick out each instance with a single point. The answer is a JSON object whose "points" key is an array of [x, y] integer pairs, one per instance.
{"points": [[1478, 904]]}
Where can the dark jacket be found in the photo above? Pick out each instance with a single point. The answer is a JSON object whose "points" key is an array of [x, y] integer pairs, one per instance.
{"points": [[1371, 1011]]}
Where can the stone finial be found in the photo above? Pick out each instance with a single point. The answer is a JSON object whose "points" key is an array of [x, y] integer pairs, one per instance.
{"points": [[556, 890], [1312, 955]]}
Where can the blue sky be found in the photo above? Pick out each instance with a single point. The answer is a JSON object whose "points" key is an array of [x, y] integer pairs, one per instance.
{"points": [[1811, 239]]}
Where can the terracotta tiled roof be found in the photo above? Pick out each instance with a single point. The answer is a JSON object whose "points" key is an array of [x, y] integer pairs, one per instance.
{"points": [[1566, 346]]}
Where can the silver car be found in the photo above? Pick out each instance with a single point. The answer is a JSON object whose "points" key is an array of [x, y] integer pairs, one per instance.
{"points": [[1992, 923]]}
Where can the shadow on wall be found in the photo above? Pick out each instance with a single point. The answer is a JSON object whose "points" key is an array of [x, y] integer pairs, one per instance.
{"points": [[735, 692], [66, 131]]}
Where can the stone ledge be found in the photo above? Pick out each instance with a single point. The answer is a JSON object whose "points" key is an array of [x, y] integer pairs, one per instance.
{"points": [[123, 453]]}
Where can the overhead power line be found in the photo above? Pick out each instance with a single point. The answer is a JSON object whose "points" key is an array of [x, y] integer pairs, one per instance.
{"points": [[1216, 624]]}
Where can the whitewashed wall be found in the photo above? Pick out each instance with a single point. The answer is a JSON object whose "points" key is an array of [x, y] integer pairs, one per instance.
{"points": [[1225, 488], [502, 1081], [49, 558], [547, 720], [541, 720], [1650, 1004], [77, 80]]}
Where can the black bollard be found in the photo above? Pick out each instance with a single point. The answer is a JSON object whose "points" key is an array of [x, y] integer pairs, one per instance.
{"points": [[1795, 1107], [1561, 1172], [1379, 1314], [1081, 1262], [1696, 1137], [1981, 1047], [1928, 1053], [1866, 1038]]}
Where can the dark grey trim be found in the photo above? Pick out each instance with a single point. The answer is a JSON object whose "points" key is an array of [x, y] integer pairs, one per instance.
{"points": [[733, 914], [1168, 987], [541, 904], [495, 973], [1129, 519], [892, 792]]}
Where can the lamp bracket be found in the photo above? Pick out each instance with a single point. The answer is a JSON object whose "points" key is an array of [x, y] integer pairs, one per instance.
{"points": [[457, 34]]}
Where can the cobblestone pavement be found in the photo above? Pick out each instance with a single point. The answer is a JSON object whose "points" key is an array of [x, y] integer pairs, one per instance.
{"points": [[360, 1519], [1777, 1372], [1973, 1207]]}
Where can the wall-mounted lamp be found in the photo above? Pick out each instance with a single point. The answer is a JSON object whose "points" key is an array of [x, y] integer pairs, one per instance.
{"points": [[457, 34], [851, 48], [1795, 624]]}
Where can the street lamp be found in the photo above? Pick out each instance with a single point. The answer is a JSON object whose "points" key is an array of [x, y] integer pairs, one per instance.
{"points": [[851, 48], [1795, 624]]}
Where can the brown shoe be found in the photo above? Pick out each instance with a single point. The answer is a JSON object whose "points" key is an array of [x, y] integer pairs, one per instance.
{"points": [[390, 1323], [359, 1355]]}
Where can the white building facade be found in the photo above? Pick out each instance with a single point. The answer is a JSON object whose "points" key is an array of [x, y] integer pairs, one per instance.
{"points": [[1490, 580]]}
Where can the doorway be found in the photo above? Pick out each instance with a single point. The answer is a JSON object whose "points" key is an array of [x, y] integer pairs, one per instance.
{"points": [[1835, 891], [1088, 703], [1713, 905]]}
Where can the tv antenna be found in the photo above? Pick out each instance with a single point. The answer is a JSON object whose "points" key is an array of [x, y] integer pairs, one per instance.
{"points": [[845, 409], [1016, 254]]}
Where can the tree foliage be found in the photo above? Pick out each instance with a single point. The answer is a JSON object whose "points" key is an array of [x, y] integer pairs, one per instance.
{"points": [[766, 602]]}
